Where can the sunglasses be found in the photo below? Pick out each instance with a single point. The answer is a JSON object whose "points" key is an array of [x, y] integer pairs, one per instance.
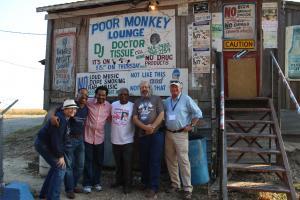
{"points": [[175, 81]]}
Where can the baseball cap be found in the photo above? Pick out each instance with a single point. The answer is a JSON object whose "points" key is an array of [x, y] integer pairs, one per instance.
{"points": [[69, 103], [175, 82]]}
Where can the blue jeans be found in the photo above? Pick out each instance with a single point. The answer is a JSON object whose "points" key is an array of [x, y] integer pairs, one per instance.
{"points": [[52, 184], [151, 151], [74, 155], [94, 155]]}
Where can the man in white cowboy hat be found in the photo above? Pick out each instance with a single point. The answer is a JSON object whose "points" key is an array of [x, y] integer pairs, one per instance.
{"points": [[74, 146], [181, 114], [50, 144]]}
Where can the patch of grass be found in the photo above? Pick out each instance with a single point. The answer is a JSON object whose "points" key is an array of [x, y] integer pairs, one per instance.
{"points": [[26, 112], [297, 186], [271, 196]]}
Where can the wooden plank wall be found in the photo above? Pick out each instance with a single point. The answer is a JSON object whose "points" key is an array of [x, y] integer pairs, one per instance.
{"points": [[183, 60]]}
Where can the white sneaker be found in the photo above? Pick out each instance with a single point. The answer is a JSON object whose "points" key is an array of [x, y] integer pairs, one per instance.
{"points": [[87, 189], [98, 187]]}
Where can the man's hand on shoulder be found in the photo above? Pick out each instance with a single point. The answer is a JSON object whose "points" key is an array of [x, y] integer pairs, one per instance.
{"points": [[54, 121]]}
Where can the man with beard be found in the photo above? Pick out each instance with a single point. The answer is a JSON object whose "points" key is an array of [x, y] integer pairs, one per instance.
{"points": [[148, 114]]}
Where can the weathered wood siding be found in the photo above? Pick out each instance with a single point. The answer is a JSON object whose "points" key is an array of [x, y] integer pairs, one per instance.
{"points": [[183, 59]]}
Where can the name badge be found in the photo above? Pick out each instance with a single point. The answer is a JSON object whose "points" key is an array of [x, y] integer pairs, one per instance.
{"points": [[171, 117]]}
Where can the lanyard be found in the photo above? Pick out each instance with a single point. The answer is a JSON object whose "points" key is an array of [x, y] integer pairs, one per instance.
{"points": [[173, 107]]}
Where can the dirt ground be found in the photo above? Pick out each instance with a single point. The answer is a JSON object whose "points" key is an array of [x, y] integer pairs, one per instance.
{"points": [[21, 164]]}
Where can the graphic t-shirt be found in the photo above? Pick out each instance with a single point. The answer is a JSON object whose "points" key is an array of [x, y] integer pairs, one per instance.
{"points": [[147, 110], [122, 128]]}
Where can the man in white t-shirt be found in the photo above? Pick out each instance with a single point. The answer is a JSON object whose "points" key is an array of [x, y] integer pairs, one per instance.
{"points": [[122, 133]]}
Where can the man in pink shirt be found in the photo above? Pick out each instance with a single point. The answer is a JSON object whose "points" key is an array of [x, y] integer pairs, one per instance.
{"points": [[99, 113]]}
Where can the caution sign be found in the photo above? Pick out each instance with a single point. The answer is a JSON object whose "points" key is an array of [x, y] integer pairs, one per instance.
{"points": [[239, 44]]}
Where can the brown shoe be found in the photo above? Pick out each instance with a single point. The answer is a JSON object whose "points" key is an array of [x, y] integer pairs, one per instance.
{"points": [[70, 195], [78, 190], [187, 195], [151, 194]]}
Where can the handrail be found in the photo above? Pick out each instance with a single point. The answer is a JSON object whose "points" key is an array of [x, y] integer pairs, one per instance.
{"points": [[223, 182], [292, 96]]}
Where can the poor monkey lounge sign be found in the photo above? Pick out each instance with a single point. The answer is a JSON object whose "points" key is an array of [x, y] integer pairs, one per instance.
{"points": [[132, 41]]}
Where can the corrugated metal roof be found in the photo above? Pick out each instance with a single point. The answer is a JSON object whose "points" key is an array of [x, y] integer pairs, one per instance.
{"points": [[78, 5]]}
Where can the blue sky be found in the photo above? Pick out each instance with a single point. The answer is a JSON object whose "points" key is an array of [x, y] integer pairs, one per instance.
{"points": [[21, 75]]}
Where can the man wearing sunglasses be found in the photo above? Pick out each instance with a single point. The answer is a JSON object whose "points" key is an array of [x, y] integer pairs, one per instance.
{"points": [[181, 114]]}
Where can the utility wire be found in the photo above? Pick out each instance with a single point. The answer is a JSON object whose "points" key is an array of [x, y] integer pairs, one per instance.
{"points": [[24, 33], [18, 65]]}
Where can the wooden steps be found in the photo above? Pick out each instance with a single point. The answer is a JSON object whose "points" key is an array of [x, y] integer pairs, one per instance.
{"points": [[257, 187], [250, 135], [254, 129], [249, 121], [252, 150], [247, 109], [265, 168]]}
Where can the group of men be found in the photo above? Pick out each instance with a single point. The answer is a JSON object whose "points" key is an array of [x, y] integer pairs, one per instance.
{"points": [[84, 145]]}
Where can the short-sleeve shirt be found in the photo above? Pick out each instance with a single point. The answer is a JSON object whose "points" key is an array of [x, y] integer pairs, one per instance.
{"points": [[183, 110], [122, 128], [147, 110]]}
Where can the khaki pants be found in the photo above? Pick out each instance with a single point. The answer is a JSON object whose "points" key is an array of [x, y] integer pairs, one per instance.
{"points": [[176, 154]]}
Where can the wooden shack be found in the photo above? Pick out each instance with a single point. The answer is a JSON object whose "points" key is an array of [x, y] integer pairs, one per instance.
{"points": [[118, 43]]}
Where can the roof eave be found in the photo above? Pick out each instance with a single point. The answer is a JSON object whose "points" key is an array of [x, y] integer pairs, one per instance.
{"points": [[78, 5]]}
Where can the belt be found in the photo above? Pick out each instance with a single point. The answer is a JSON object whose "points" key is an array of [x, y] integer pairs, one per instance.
{"points": [[176, 131]]}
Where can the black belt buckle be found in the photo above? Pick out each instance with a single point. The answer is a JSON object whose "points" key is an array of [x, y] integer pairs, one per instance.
{"points": [[176, 131]]}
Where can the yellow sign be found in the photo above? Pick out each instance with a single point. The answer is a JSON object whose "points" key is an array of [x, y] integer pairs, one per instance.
{"points": [[239, 44]]}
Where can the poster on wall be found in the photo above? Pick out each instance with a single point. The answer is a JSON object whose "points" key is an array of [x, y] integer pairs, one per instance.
{"points": [[201, 46], [270, 24], [140, 40], [183, 9], [239, 21], [292, 53], [201, 35], [201, 62], [159, 80], [217, 31], [64, 56], [200, 7]]}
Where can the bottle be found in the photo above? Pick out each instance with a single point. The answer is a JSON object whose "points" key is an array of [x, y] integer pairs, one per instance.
{"points": [[294, 56]]}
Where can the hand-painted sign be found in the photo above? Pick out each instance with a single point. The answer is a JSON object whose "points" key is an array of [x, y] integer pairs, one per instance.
{"points": [[239, 21], [132, 41], [64, 59], [239, 44], [158, 78], [292, 53]]}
